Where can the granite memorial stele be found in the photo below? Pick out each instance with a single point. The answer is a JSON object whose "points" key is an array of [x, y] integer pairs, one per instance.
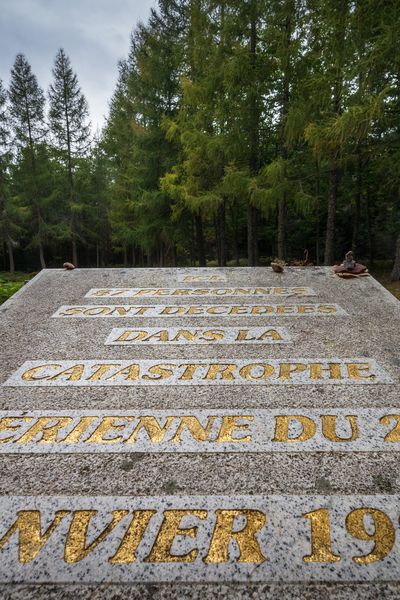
{"points": [[200, 433]]}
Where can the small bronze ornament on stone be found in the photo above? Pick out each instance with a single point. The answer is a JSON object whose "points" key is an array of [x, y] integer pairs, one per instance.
{"points": [[278, 265], [350, 268], [68, 266]]}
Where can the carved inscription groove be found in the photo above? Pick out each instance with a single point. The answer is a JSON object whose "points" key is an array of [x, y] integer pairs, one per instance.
{"points": [[335, 371], [183, 292], [203, 538], [297, 430], [178, 336], [199, 310]]}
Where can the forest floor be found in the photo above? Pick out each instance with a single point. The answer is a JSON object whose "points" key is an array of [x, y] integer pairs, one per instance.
{"points": [[9, 284]]}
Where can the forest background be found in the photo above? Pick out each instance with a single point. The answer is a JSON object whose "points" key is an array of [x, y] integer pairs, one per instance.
{"points": [[239, 131]]}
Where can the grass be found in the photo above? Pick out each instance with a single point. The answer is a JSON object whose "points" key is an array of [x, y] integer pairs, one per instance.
{"points": [[11, 283], [392, 286]]}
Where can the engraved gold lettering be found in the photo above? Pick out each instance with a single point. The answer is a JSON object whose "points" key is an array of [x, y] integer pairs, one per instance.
{"points": [[189, 371], [12, 424], [31, 374], [327, 309], [162, 371], [154, 430], [383, 535], [126, 552], [196, 429], [101, 371], [73, 373], [129, 373], [229, 427], [282, 428], [186, 335], [96, 310], [220, 371], [329, 428], [31, 540], [242, 336], [78, 431], [72, 311], [173, 310], [321, 540], [317, 370], [212, 335], [161, 551], [217, 310], [245, 538], [359, 371], [394, 434], [75, 545], [131, 335], [246, 372], [108, 425], [286, 370], [49, 433]]}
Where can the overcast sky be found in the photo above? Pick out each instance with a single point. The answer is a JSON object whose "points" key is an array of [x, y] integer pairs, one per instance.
{"points": [[94, 33]]}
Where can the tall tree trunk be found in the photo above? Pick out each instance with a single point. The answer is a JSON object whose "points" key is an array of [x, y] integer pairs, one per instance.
{"points": [[97, 256], [10, 252], [133, 254], [317, 232], [74, 252], [283, 153], [331, 218], [254, 124], [200, 240], [251, 235], [370, 235], [222, 233], [217, 240], [357, 208], [395, 276], [41, 256], [282, 226], [173, 255], [125, 257]]}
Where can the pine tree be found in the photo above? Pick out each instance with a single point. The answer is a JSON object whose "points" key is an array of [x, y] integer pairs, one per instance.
{"points": [[69, 124], [27, 104], [7, 227]]}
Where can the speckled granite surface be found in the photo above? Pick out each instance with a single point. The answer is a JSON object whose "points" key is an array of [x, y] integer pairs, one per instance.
{"points": [[370, 331]]}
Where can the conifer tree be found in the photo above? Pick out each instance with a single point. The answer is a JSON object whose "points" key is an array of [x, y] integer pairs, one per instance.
{"points": [[27, 104], [70, 127], [7, 227]]}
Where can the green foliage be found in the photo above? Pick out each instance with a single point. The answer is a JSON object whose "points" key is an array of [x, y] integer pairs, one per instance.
{"points": [[237, 131]]}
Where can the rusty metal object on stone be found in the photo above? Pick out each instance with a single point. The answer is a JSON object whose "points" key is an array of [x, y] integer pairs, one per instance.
{"points": [[278, 265], [68, 266], [350, 268], [304, 262]]}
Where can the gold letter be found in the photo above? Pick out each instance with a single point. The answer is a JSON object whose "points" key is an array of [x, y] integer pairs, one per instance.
{"points": [[282, 424], [170, 528], [30, 374], [329, 428], [321, 545], [131, 540], [153, 429], [245, 538], [198, 432], [108, 424], [49, 433], [31, 540], [229, 424], [75, 545]]}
